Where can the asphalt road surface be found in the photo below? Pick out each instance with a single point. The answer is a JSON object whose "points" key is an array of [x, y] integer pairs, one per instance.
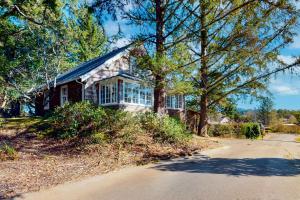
{"points": [[242, 169]]}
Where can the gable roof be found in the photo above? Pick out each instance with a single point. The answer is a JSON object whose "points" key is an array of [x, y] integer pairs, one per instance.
{"points": [[88, 66]]}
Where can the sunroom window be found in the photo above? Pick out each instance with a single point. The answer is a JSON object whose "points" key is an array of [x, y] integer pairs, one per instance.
{"points": [[136, 94], [108, 93], [174, 101]]}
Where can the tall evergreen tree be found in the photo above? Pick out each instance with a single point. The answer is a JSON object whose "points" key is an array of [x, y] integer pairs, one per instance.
{"points": [[160, 26], [237, 44]]}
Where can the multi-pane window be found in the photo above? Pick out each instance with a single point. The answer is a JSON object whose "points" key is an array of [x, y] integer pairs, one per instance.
{"points": [[108, 93], [102, 94], [127, 92], [135, 94], [174, 101], [169, 101], [63, 95], [148, 97], [114, 92], [142, 96], [46, 100]]}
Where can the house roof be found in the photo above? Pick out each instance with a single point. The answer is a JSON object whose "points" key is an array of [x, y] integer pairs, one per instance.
{"points": [[88, 66]]}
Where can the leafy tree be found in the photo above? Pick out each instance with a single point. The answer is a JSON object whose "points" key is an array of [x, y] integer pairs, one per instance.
{"points": [[41, 39], [89, 40], [237, 45]]}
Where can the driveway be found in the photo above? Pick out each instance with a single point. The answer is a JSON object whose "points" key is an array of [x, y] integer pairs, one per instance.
{"points": [[241, 169]]}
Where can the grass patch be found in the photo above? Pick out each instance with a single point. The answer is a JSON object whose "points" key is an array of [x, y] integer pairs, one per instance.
{"points": [[19, 122], [7, 152], [298, 139]]}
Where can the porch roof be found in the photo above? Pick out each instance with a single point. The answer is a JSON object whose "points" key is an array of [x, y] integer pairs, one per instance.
{"points": [[124, 75]]}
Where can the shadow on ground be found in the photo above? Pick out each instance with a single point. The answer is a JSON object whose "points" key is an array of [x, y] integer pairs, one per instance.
{"points": [[235, 166]]}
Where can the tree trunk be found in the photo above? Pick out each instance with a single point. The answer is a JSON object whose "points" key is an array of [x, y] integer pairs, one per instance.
{"points": [[159, 89], [203, 125], [159, 95], [202, 128]]}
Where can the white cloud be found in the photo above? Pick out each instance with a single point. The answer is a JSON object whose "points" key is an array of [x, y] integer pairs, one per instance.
{"points": [[296, 43], [287, 59], [285, 90], [120, 43]]}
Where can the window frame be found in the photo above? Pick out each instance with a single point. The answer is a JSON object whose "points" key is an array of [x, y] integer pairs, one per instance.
{"points": [[112, 88], [174, 102], [46, 100], [62, 102]]}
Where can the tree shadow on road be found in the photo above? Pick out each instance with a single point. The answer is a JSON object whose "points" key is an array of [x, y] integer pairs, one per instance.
{"points": [[235, 166]]}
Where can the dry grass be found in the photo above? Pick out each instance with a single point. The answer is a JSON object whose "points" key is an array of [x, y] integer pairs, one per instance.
{"points": [[286, 128], [44, 162], [298, 139]]}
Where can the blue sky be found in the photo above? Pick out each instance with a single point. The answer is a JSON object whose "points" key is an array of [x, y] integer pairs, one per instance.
{"points": [[285, 88]]}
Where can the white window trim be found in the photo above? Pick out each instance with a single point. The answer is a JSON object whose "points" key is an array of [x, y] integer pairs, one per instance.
{"points": [[139, 93], [173, 102], [61, 94], [110, 83], [46, 100]]}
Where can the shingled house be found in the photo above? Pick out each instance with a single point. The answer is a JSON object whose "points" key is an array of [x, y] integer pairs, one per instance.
{"points": [[111, 81]]}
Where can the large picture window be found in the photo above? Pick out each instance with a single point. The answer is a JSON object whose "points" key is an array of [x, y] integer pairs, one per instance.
{"points": [[136, 94], [131, 93]]}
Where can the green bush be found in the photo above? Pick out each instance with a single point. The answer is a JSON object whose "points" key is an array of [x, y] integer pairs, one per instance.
{"points": [[251, 130], [164, 128], [107, 125], [237, 130], [79, 119], [221, 130]]}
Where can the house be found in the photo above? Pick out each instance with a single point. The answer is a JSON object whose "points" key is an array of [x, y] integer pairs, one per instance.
{"points": [[111, 81]]}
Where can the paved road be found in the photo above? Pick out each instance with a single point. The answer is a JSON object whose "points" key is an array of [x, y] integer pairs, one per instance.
{"points": [[242, 169]]}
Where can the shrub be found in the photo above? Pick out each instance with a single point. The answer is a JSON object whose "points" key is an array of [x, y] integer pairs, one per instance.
{"points": [[218, 130], [79, 119], [164, 128], [251, 130], [7, 152], [116, 126], [2, 122], [281, 128]]}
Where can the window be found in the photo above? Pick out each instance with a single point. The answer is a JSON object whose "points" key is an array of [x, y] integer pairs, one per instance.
{"points": [[102, 94], [142, 96], [135, 94], [63, 95], [169, 101], [174, 101], [46, 100], [127, 92], [114, 93], [148, 97], [108, 93]]}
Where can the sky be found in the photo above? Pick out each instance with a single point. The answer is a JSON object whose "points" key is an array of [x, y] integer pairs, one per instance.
{"points": [[285, 88]]}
